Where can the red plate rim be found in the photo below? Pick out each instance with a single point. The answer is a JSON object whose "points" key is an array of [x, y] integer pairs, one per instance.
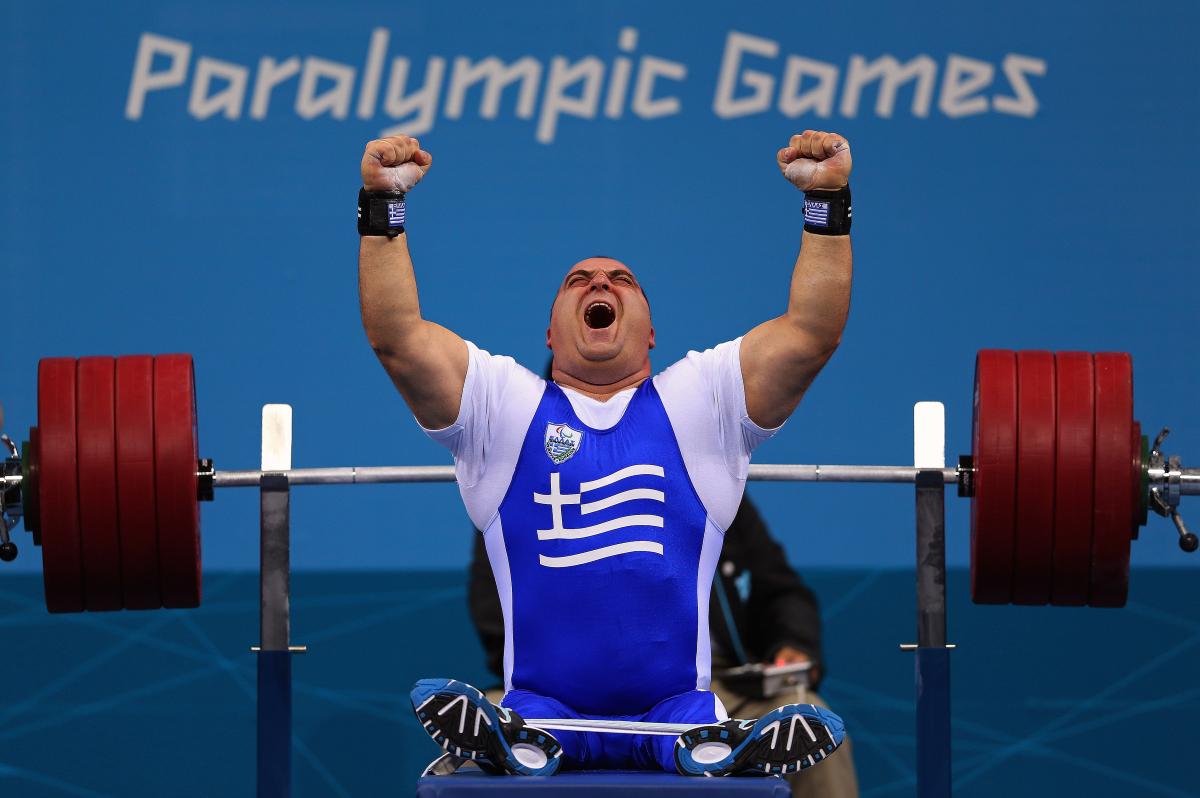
{"points": [[1033, 552], [994, 447], [1135, 464], [1073, 489], [96, 453], [62, 566], [135, 482], [176, 456], [1113, 529]]}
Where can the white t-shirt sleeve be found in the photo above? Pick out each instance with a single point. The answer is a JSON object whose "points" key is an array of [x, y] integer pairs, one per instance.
{"points": [[706, 402], [498, 401]]}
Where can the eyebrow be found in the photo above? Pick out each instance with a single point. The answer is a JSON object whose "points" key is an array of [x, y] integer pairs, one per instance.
{"points": [[613, 273]]}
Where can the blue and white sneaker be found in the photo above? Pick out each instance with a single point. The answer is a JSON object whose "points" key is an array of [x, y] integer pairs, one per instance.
{"points": [[460, 720], [783, 741]]}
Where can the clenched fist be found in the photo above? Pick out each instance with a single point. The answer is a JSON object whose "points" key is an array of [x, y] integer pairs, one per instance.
{"points": [[816, 160], [395, 163]]}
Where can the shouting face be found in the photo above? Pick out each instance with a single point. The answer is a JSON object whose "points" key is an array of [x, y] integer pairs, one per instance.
{"points": [[600, 329]]}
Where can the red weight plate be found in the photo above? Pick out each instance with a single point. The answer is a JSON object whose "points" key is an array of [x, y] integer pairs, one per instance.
{"points": [[1073, 468], [175, 460], [58, 486], [1036, 414], [1139, 500], [1113, 513], [994, 446], [32, 494], [135, 482], [97, 458]]}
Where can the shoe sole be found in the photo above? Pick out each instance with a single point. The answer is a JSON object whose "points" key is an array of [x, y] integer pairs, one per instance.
{"points": [[784, 741], [463, 722]]}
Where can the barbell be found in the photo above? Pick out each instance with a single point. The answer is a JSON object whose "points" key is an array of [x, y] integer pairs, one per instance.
{"points": [[110, 480]]}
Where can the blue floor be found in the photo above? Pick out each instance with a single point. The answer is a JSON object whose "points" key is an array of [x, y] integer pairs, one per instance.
{"points": [[1047, 702]]}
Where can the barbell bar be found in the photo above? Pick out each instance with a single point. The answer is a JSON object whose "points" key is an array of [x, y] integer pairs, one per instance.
{"points": [[1060, 478], [367, 475]]}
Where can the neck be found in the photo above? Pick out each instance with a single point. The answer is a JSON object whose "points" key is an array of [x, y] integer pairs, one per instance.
{"points": [[601, 391]]}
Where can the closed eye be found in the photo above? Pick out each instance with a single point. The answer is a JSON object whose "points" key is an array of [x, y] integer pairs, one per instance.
{"points": [[582, 278]]}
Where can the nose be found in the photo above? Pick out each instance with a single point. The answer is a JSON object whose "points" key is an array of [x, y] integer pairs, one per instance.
{"points": [[600, 282]]}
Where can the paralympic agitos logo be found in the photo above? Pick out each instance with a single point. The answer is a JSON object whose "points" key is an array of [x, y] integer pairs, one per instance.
{"points": [[755, 76]]}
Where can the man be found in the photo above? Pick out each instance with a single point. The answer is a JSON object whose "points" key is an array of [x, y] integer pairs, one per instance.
{"points": [[603, 494], [761, 612]]}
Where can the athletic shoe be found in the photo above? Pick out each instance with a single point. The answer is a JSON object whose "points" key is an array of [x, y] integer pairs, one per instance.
{"points": [[783, 741], [467, 725], [448, 763]]}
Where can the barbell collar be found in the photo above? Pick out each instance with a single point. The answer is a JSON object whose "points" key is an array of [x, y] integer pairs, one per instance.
{"points": [[1187, 539]]}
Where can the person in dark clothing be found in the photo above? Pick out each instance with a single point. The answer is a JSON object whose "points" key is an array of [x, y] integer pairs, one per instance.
{"points": [[761, 612], [774, 614]]}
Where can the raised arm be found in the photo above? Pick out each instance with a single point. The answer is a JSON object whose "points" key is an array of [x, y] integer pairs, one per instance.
{"points": [[427, 362], [781, 357]]}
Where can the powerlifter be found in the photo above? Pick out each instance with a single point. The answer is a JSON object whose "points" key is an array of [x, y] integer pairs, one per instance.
{"points": [[604, 493]]}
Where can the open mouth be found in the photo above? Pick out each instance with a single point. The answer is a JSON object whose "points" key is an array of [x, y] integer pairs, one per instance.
{"points": [[599, 315]]}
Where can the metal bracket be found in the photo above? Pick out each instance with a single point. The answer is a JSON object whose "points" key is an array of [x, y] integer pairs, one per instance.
{"points": [[275, 650]]}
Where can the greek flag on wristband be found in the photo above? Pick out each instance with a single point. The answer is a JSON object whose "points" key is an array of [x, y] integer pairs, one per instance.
{"points": [[816, 212], [396, 214]]}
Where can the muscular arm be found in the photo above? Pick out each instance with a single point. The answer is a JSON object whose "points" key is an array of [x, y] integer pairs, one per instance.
{"points": [[427, 362], [781, 357]]}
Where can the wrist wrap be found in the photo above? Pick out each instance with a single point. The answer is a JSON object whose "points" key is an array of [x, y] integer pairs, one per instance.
{"points": [[827, 213], [380, 213]]}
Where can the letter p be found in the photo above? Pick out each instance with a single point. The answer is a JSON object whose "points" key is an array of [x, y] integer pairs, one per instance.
{"points": [[145, 81]]}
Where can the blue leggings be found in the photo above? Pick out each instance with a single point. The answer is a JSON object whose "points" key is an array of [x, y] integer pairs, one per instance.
{"points": [[593, 750]]}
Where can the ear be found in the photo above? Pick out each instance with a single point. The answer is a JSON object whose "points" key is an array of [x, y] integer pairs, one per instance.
{"points": [[548, 344], [651, 338]]}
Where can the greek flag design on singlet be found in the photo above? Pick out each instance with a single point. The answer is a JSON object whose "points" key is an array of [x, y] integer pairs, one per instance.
{"points": [[600, 543]]}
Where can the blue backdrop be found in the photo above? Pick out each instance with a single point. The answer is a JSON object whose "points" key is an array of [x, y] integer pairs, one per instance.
{"points": [[181, 177]]}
